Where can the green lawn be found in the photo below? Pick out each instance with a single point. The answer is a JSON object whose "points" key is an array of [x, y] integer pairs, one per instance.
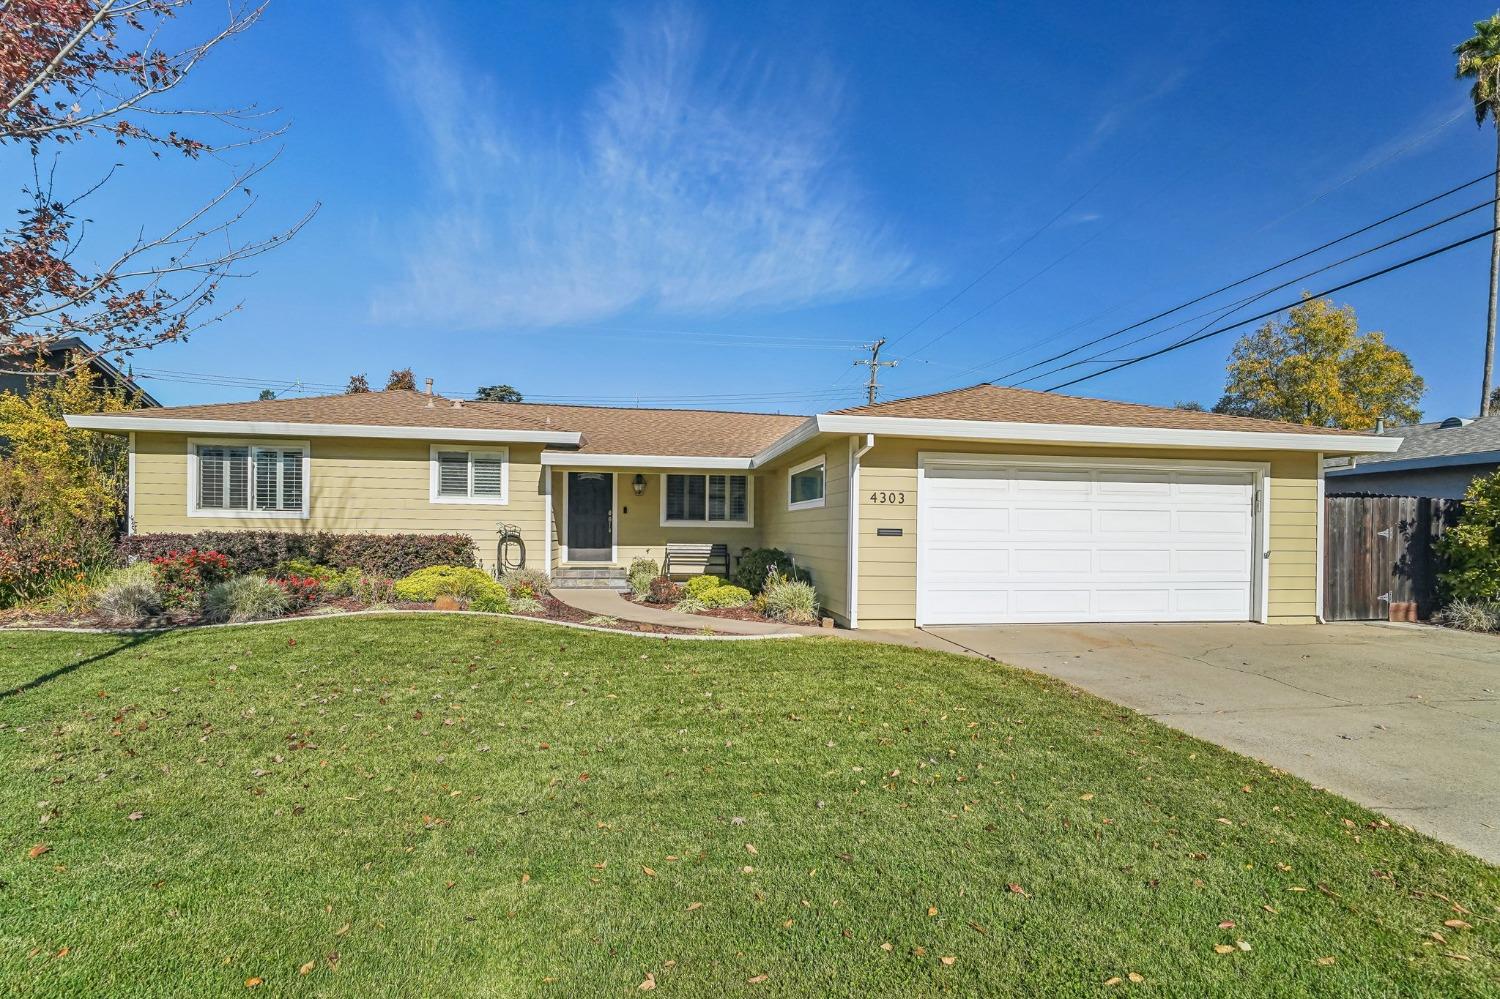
{"points": [[460, 806]]}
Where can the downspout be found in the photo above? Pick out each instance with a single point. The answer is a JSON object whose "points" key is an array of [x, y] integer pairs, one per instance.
{"points": [[1319, 544], [853, 588]]}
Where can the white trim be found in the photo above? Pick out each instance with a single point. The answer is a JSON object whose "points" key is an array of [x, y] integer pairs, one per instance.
{"points": [[574, 460], [130, 489], [1409, 464], [547, 522], [1318, 543], [250, 513], [813, 462], [614, 506], [798, 435], [246, 428], [1068, 433], [749, 520], [855, 454], [433, 476], [1260, 498]]}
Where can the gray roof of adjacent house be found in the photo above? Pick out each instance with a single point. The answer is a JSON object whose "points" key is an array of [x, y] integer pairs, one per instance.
{"points": [[1454, 441]]}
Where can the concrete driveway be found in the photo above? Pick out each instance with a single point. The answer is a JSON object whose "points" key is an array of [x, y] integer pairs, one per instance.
{"points": [[1404, 719]]}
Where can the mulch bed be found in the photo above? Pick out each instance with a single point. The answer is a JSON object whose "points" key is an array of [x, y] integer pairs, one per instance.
{"points": [[729, 613]]}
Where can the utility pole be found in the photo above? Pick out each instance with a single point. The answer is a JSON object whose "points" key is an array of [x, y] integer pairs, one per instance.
{"points": [[875, 364]]}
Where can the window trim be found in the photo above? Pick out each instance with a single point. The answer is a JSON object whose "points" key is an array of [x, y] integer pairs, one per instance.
{"points": [[749, 520], [434, 474], [812, 504], [194, 510]]}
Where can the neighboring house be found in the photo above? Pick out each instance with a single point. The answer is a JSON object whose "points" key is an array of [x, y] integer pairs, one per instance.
{"points": [[980, 505], [1434, 459], [18, 371]]}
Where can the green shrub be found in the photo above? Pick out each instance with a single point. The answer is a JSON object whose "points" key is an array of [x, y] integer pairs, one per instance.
{"points": [[725, 596], [642, 571], [699, 585], [334, 582], [373, 590], [1471, 615], [531, 583], [1471, 548], [129, 597], [495, 601], [792, 600], [426, 585], [245, 598], [689, 605], [755, 566]]}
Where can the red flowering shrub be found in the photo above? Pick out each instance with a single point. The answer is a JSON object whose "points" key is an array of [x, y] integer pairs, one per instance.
{"points": [[183, 577], [300, 590]]}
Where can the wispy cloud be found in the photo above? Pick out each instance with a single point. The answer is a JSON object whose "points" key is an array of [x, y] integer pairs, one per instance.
{"points": [[687, 185]]}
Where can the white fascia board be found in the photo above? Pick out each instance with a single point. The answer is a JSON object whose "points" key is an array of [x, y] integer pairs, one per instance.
{"points": [[247, 428], [796, 437], [1409, 464], [573, 459], [1069, 433]]}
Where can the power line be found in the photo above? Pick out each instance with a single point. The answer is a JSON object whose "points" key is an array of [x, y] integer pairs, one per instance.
{"points": [[1235, 306], [1220, 290], [1198, 338]]}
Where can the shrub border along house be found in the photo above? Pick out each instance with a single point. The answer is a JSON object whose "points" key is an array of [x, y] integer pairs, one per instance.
{"points": [[888, 506]]}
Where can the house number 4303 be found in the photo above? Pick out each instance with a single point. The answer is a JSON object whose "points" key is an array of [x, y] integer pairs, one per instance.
{"points": [[888, 497]]}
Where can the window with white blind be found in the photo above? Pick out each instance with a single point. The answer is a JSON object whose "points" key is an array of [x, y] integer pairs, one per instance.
{"points": [[469, 475], [694, 498], [233, 479], [805, 484]]}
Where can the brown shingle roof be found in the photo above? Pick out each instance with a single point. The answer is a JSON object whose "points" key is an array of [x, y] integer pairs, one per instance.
{"points": [[1013, 405], [392, 408], [707, 433]]}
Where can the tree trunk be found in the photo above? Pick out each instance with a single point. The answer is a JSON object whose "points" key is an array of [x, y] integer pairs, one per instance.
{"points": [[1489, 338]]}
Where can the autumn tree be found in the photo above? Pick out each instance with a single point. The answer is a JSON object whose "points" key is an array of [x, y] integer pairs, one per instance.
{"points": [[497, 393], [357, 384], [401, 379], [1315, 367], [75, 73]]}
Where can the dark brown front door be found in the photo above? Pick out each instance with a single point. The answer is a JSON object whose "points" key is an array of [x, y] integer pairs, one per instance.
{"points": [[590, 517]]}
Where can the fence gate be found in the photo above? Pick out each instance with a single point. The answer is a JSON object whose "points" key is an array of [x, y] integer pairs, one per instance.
{"points": [[1380, 560]]}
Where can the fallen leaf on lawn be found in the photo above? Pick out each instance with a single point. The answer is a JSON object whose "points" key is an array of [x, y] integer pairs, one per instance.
{"points": [[63, 952], [1222, 820], [251, 983], [750, 849], [307, 968], [1227, 924], [694, 905], [1086, 797], [1457, 957], [525, 878], [136, 816], [1116, 980], [648, 984], [647, 871], [1325, 961], [1438, 937], [932, 910], [757, 979], [1136, 976], [919, 951], [787, 925], [1296, 888], [948, 960], [887, 946], [1223, 949], [1457, 924], [1270, 910], [38, 850], [1016, 889], [1242, 945], [341, 930], [747, 869]]}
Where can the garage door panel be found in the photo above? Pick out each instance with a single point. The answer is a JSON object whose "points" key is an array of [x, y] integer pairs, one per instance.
{"points": [[1030, 542]]}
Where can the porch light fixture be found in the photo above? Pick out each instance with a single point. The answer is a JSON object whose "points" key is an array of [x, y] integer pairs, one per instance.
{"points": [[638, 483]]}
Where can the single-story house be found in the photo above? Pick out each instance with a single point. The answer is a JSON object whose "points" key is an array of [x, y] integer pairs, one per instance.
{"points": [[980, 505], [1434, 459]]}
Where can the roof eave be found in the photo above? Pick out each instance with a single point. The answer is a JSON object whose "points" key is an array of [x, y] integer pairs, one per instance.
{"points": [[1413, 464], [1071, 433], [169, 425], [574, 459]]}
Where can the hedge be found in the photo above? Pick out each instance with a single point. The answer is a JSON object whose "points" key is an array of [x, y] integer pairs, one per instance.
{"points": [[390, 555]]}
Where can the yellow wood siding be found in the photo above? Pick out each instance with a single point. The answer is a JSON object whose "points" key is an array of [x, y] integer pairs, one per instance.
{"points": [[355, 485], [887, 566], [819, 537]]}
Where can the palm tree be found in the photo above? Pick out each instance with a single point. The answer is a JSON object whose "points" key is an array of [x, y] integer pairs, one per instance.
{"points": [[1479, 60]]}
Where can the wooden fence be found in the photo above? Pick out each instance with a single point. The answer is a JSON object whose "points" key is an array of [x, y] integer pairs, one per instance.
{"points": [[1380, 560]]}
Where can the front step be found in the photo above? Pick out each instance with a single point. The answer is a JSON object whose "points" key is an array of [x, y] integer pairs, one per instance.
{"points": [[606, 577]]}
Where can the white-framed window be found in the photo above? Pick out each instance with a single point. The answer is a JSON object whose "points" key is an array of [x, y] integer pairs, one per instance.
{"points": [[239, 478], [805, 484], [469, 475], [689, 498]]}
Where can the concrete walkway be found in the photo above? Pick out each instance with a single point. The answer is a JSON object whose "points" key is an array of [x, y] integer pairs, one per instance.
{"points": [[611, 604], [1404, 719]]}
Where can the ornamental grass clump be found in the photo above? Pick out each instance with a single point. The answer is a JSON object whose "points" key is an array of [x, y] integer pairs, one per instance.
{"points": [[642, 572], [790, 600], [128, 597], [246, 598], [525, 583]]}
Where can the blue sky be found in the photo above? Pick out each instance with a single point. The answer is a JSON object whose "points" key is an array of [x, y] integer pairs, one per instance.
{"points": [[714, 202]]}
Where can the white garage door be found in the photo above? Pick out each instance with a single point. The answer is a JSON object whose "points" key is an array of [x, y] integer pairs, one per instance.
{"points": [[1023, 542]]}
